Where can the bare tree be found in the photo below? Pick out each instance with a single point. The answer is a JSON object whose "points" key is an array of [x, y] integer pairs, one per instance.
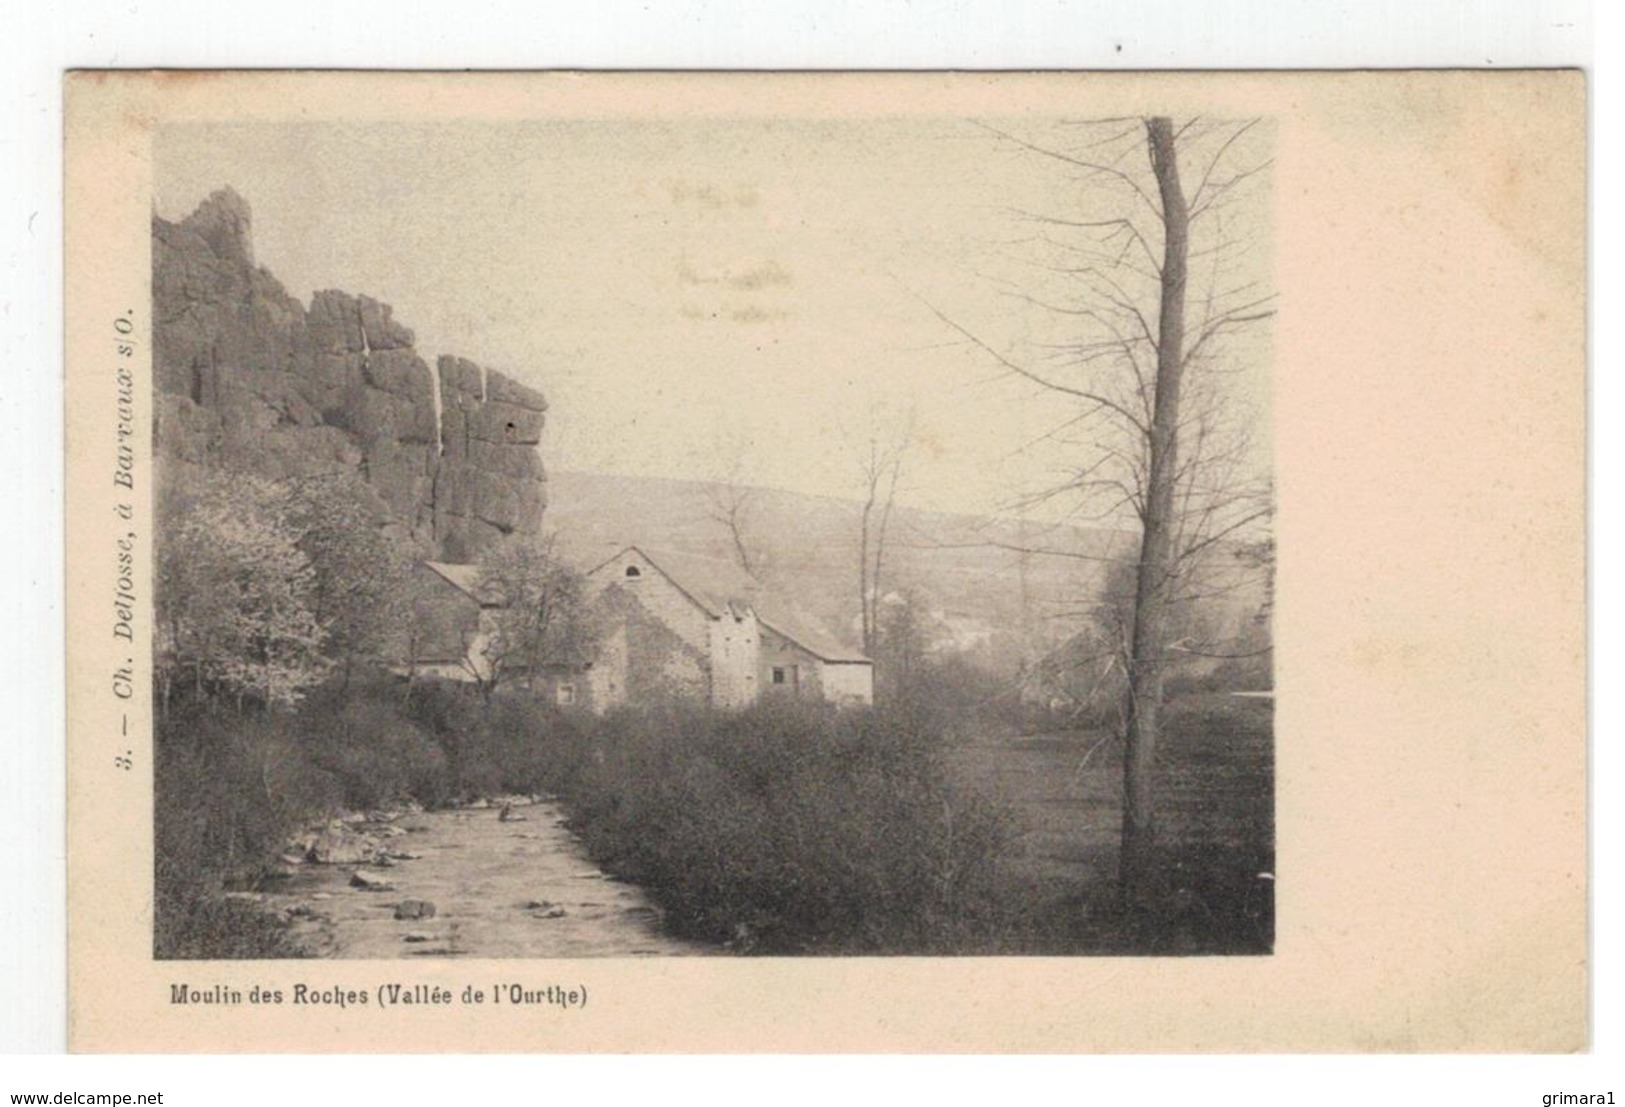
{"points": [[1154, 278], [731, 503], [880, 464], [542, 623]]}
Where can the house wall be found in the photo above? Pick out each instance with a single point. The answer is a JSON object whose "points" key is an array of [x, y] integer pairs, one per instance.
{"points": [[566, 687], [649, 659], [606, 680], [448, 623], [735, 650], [658, 643], [659, 596], [848, 681], [802, 669], [479, 645]]}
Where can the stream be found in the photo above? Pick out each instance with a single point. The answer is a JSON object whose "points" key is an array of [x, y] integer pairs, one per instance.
{"points": [[502, 883]]}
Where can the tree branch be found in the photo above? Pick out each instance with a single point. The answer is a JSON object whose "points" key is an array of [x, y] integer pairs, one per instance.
{"points": [[1094, 167]]}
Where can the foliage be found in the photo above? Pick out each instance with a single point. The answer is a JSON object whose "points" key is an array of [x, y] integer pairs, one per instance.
{"points": [[191, 923], [236, 596], [506, 742], [789, 827], [918, 677], [1084, 679], [361, 569], [229, 790], [232, 788], [905, 634], [264, 586], [373, 754], [544, 621]]}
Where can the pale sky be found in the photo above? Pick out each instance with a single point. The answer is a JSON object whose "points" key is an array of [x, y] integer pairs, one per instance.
{"points": [[691, 296]]}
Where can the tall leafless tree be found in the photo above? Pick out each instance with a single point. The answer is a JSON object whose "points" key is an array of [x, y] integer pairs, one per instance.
{"points": [[733, 503], [880, 463], [1154, 276], [541, 623], [730, 503]]}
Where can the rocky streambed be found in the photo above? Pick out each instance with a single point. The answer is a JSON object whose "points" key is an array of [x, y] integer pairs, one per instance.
{"points": [[498, 878]]}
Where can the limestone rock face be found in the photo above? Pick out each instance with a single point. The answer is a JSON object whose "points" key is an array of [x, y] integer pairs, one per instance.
{"points": [[247, 376], [380, 331], [224, 222], [491, 483], [499, 389]]}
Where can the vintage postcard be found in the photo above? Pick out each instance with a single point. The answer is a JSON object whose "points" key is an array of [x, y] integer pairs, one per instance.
{"points": [[827, 562]]}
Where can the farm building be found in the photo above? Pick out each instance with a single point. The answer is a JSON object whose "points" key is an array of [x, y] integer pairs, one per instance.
{"points": [[695, 627], [453, 620]]}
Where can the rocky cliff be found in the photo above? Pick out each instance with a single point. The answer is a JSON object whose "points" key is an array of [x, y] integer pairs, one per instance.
{"points": [[249, 377]]}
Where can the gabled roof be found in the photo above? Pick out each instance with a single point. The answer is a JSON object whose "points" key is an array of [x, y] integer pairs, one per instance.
{"points": [[810, 635], [718, 587], [466, 579], [705, 586]]}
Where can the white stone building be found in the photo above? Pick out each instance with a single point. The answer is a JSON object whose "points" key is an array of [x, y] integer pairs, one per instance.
{"points": [[691, 627]]}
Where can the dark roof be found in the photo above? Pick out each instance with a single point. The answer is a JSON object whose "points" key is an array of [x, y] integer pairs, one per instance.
{"points": [[718, 587], [466, 579], [809, 634]]}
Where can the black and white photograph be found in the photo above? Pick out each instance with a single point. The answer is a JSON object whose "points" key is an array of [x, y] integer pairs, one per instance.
{"points": [[842, 562], [714, 537]]}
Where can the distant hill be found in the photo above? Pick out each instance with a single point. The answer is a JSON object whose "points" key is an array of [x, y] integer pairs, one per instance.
{"points": [[993, 599]]}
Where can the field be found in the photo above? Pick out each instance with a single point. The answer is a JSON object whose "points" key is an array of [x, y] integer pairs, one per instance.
{"points": [[1216, 811]]}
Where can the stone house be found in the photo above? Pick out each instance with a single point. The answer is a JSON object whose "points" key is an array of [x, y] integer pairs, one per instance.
{"points": [[692, 627], [453, 621]]}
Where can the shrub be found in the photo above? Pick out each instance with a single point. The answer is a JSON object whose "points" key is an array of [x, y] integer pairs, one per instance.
{"points": [[375, 754], [511, 741], [194, 923], [228, 789], [448, 712], [515, 745], [791, 827]]}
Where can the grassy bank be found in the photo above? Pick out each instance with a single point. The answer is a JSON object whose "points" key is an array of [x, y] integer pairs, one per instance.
{"points": [[1215, 783]]}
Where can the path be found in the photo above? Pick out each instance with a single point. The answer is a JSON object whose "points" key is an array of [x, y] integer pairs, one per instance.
{"points": [[517, 888]]}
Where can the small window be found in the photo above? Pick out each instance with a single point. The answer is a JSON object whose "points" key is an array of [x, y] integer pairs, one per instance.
{"points": [[779, 675], [633, 572]]}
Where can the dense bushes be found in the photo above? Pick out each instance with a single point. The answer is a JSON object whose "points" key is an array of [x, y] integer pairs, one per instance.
{"points": [[233, 785], [789, 827], [507, 742], [369, 749], [227, 791], [192, 922], [786, 827]]}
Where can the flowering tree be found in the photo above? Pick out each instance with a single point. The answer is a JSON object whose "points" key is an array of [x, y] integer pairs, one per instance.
{"points": [[236, 596], [361, 570]]}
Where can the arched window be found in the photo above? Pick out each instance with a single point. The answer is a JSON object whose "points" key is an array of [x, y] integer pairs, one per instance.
{"points": [[633, 572]]}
